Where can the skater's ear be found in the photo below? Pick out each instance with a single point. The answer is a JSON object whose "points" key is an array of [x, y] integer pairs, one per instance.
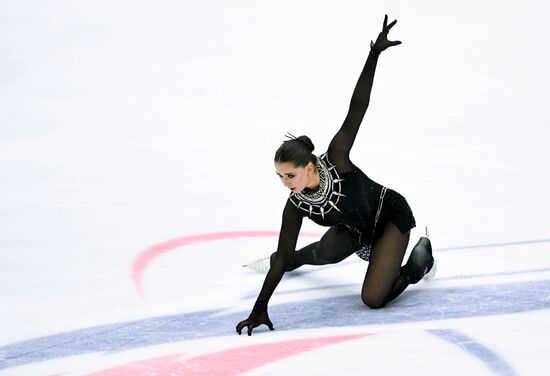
{"points": [[310, 168]]}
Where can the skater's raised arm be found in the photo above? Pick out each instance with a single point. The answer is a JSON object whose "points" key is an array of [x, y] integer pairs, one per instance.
{"points": [[290, 228], [342, 142]]}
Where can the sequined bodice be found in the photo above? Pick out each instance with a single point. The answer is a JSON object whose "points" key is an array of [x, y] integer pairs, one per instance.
{"points": [[349, 198]]}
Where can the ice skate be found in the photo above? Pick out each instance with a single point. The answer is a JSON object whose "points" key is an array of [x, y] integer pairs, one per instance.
{"points": [[421, 264], [259, 265], [431, 272]]}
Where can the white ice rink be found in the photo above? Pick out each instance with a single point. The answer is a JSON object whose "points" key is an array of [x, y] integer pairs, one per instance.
{"points": [[136, 176]]}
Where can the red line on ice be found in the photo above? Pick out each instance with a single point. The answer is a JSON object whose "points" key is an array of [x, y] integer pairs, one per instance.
{"points": [[143, 260], [229, 362]]}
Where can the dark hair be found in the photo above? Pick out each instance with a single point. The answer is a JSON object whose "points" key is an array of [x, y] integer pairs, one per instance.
{"points": [[298, 151]]}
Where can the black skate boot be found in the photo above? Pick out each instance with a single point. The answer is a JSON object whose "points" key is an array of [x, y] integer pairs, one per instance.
{"points": [[421, 264]]}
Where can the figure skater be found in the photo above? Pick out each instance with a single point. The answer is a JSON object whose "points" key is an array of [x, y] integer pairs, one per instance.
{"points": [[364, 217]]}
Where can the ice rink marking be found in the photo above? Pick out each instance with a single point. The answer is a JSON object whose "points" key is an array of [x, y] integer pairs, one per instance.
{"points": [[146, 257]]}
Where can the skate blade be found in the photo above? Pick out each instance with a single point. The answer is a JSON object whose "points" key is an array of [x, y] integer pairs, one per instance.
{"points": [[431, 273]]}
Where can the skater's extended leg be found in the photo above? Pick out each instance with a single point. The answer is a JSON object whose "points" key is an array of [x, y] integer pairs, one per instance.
{"points": [[337, 243]]}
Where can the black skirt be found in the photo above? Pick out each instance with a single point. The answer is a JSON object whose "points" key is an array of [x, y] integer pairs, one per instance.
{"points": [[392, 207], [395, 209]]}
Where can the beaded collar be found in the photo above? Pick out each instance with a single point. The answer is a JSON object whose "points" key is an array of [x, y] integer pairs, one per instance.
{"points": [[327, 196]]}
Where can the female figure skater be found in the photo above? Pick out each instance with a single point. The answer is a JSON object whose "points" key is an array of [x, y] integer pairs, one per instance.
{"points": [[362, 214]]}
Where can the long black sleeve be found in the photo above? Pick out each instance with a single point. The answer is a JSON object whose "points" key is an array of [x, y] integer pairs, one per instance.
{"points": [[290, 228], [342, 142]]}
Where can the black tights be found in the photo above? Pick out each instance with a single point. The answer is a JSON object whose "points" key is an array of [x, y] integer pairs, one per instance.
{"points": [[385, 278]]}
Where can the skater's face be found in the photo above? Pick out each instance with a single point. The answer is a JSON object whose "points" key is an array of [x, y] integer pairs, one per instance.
{"points": [[293, 177]]}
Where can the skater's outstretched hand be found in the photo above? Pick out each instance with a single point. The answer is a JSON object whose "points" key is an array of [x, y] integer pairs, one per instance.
{"points": [[382, 41], [255, 319]]}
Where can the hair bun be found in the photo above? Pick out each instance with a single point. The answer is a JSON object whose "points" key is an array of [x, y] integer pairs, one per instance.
{"points": [[297, 150], [307, 142]]}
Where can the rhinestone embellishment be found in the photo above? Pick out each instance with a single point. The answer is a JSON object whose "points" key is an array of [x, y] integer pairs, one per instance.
{"points": [[327, 196]]}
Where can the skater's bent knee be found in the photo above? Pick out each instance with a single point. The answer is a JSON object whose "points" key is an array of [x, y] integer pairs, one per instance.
{"points": [[373, 301]]}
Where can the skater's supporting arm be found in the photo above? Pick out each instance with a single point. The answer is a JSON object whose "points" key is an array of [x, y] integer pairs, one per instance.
{"points": [[290, 228], [342, 142]]}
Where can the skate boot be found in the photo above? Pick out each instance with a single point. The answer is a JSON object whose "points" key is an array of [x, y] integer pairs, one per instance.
{"points": [[421, 264]]}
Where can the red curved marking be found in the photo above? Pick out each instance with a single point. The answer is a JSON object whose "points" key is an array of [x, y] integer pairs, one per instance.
{"points": [[147, 256], [230, 362], [162, 365]]}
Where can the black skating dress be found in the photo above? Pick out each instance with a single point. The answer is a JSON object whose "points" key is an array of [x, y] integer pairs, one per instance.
{"points": [[354, 200], [345, 196]]}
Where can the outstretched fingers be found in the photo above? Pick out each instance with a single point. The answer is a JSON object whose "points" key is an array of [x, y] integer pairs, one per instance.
{"points": [[382, 41], [250, 325], [386, 28], [241, 325]]}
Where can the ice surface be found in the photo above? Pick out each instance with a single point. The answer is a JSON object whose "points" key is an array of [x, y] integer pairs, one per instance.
{"points": [[128, 127]]}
